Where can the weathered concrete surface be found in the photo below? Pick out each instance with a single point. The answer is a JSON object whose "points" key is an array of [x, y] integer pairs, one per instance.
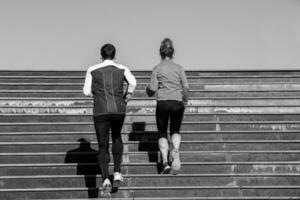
{"points": [[240, 134]]}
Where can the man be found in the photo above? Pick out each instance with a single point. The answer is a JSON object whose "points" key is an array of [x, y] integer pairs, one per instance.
{"points": [[104, 82]]}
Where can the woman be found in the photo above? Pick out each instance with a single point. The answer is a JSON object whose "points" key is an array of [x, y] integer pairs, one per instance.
{"points": [[169, 82], [104, 82]]}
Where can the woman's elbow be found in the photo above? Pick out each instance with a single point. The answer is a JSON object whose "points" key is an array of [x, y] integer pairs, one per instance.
{"points": [[149, 92]]}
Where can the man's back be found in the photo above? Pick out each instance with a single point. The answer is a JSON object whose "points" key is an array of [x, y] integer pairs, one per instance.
{"points": [[107, 89]]}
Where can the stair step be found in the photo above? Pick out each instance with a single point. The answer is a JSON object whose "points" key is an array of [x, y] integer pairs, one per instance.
{"points": [[151, 168], [189, 180], [202, 198], [148, 72], [257, 145], [199, 191], [212, 191], [272, 86], [146, 75], [222, 135], [150, 102], [193, 93], [81, 155], [145, 136], [219, 156], [210, 88], [140, 110], [143, 79], [90, 99], [224, 89], [150, 117], [151, 126], [81, 74]]}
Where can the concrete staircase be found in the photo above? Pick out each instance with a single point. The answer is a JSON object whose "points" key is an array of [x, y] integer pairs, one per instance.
{"points": [[241, 138]]}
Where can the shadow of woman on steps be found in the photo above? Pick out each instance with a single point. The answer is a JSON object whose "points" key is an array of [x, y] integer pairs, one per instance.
{"points": [[86, 159], [148, 142]]}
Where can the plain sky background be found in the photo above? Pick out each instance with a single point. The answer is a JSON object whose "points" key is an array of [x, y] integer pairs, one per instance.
{"points": [[207, 34]]}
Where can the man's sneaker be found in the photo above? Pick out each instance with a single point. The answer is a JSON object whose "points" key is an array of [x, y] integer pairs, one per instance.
{"points": [[118, 178], [176, 160], [106, 186], [166, 168]]}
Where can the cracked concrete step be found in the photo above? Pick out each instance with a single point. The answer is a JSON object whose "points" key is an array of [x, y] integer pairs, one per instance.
{"points": [[142, 86], [221, 145], [146, 180], [203, 89], [206, 191], [146, 110], [228, 74], [146, 79], [137, 99], [90, 155], [143, 79], [216, 198], [222, 135], [62, 193], [150, 117], [199, 191], [131, 118], [214, 145], [151, 126], [148, 72], [204, 198], [145, 136], [88, 102], [150, 168], [47, 72], [219, 156], [146, 75], [193, 93]]}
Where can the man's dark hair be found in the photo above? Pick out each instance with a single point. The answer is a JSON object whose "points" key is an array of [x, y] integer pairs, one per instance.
{"points": [[108, 51]]}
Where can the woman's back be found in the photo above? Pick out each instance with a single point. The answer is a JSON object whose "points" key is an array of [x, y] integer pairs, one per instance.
{"points": [[170, 80]]}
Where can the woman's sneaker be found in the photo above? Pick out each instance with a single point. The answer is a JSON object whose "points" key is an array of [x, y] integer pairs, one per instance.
{"points": [[118, 178], [166, 168], [106, 186], [176, 160]]}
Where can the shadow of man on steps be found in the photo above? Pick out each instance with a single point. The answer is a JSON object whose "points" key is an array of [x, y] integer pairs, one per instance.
{"points": [[86, 159]]}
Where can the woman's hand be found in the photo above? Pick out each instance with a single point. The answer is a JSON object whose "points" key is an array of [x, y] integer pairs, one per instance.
{"points": [[185, 103]]}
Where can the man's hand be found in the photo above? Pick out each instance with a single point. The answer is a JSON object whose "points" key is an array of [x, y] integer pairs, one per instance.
{"points": [[128, 97]]}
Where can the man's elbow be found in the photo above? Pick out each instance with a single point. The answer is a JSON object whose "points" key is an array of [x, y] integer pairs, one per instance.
{"points": [[133, 83], [87, 93]]}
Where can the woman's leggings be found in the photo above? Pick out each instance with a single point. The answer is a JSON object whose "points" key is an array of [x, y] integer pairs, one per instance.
{"points": [[103, 123], [169, 110]]}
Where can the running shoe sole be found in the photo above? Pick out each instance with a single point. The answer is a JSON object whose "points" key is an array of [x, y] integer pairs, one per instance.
{"points": [[107, 189], [176, 161], [166, 170]]}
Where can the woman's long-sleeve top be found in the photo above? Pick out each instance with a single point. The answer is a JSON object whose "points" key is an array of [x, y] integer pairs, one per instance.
{"points": [[169, 82]]}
